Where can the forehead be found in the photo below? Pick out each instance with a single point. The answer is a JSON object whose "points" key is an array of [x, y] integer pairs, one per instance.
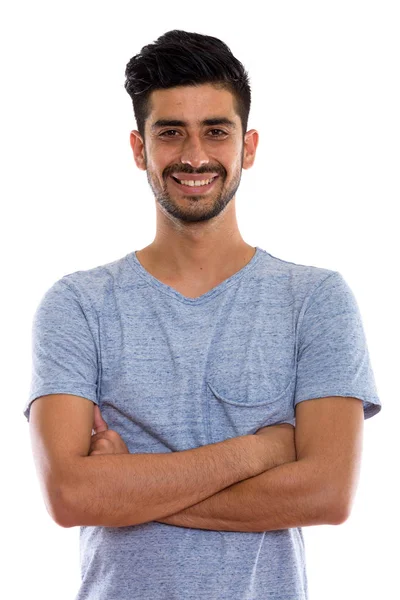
{"points": [[191, 104]]}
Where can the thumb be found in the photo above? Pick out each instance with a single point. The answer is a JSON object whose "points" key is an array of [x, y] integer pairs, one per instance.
{"points": [[99, 423]]}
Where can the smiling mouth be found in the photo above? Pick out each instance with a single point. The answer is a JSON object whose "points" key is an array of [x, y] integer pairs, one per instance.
{"points": [[193, 187], [194, 183]]}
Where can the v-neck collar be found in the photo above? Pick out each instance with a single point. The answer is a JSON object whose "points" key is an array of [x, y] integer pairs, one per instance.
{"points": [[215, 291]]}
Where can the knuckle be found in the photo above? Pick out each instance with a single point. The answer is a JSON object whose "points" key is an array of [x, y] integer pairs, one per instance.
{"points": [[100, 444], [112, 434]]}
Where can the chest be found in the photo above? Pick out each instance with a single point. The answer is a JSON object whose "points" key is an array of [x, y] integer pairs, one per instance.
{"points": [[176, 377]]}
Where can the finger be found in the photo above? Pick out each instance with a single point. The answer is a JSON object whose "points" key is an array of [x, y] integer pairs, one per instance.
{"points": [[108, 435], [101, 445], [99, 423]]}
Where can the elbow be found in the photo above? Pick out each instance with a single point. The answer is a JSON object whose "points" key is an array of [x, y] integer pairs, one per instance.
{"points": [[61, 509], [330, 503], [337, 517], [342, 515], [65, 519], [340, 511]]}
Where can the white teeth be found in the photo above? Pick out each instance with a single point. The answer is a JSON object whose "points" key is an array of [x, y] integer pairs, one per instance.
{"points": [[196, 183]]}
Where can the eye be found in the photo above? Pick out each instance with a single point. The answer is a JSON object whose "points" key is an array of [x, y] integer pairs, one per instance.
{"points": [[166, 133], [220, 131], [169, 131]]}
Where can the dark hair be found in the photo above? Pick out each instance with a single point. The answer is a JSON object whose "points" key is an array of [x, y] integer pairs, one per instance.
{"points": [[183, 58]]}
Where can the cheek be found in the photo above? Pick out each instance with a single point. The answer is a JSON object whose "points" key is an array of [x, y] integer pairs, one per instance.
{"points": [[156, 167], [162, 161], [233, 169], [231, 159]]}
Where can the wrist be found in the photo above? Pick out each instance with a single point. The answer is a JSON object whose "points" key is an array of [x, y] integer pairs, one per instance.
{"points": [[266, 451]]}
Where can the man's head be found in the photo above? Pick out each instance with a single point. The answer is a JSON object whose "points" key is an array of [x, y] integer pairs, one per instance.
{"points": [[191, 99], [182, 58]]}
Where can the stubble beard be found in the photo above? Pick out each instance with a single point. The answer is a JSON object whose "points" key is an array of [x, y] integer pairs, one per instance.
{"points": [[198, 208]]}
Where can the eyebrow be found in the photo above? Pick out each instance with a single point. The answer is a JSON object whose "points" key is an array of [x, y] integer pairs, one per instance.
{"points": [[177, 123]]}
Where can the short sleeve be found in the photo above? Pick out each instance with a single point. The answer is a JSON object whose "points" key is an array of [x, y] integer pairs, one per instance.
{"points": [[64, 354], [332, 352]]}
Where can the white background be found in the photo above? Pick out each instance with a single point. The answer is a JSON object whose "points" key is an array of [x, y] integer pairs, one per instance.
{"points": [[324, 191]]}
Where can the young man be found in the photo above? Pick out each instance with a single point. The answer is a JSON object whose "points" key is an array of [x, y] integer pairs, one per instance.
{"points": [[192, 359]]}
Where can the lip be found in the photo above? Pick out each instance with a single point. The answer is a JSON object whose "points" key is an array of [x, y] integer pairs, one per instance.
{"points": [[194, 177], [193, 190]]}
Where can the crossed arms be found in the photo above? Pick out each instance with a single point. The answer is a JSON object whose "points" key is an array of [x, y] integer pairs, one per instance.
{"points": [[212, 487], [318, 488]]}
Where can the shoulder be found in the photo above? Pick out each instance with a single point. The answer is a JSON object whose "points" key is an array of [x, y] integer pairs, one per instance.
{"points": [[93, 286], [297, 281]]}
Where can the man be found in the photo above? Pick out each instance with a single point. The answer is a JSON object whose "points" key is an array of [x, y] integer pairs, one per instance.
{"points": [[192, 359]]}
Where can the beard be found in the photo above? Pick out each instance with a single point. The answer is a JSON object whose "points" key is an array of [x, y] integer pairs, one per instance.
{"points": [[199, 207]]}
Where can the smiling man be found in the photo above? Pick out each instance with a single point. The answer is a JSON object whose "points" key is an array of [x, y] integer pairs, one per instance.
{"points": [[205, 191], [227, 388], [193, 150]]}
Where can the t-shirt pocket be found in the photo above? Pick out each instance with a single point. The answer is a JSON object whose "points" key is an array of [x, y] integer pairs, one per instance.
{"points": [[242, 407]]}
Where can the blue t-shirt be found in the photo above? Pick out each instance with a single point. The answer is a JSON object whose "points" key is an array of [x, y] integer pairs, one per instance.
{"points": [[172, 373]]}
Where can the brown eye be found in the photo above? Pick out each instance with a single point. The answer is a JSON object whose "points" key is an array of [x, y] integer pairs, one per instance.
{"points": [[220, 131], [169, 131]]}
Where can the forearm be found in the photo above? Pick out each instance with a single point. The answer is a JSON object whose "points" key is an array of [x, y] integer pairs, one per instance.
{"points": [[119, 490], [289, 495]]}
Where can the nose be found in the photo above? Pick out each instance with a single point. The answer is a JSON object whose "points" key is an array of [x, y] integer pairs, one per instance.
{"points": [[193, 152]]}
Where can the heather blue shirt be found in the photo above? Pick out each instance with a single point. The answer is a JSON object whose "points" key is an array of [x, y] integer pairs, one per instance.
{"points": [[172, 373]]}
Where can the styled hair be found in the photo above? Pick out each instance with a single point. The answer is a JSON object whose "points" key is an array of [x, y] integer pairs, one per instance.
{"points": [[184, 58]]}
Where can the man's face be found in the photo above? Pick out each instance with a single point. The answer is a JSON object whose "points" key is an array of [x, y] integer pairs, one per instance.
{"points": [[181, 144]]}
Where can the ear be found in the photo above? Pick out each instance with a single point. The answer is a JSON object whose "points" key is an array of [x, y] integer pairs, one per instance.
{"points": [[250, 147], [137, 145]]}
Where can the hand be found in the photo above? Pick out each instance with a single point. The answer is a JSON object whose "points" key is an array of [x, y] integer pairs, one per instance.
{"points": [[104, 440], [281, 443]]}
